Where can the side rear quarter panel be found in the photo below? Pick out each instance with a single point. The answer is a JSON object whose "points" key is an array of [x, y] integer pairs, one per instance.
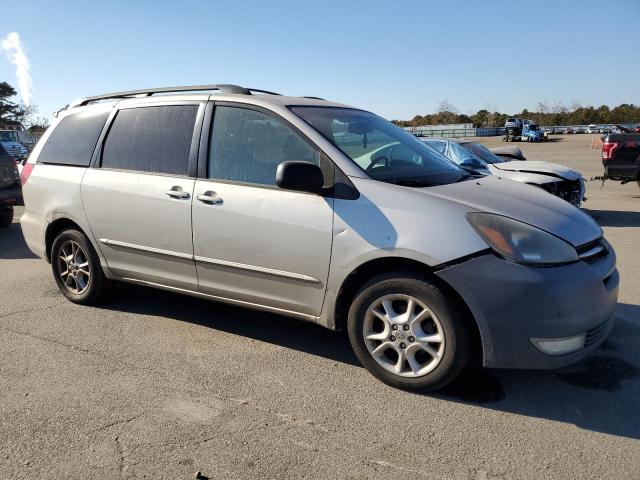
{"points": [[53, 192]]}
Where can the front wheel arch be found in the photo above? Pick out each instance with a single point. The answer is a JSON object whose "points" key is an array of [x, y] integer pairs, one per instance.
{"points": [[358, 277], [450, 325]]}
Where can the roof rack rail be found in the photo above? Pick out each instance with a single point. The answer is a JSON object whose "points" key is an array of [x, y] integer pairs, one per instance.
{"points": [[314, 98], [224, 88]]}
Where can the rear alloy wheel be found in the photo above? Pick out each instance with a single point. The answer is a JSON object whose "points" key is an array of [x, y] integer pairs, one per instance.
{"points": [[76, 268], [73, 267], [407, 333]]}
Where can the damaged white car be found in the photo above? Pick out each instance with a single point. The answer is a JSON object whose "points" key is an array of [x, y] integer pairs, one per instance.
{"points": [[556, 179]]}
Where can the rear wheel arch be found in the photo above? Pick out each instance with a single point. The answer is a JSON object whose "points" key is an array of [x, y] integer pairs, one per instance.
{"points": [[54, 229], [352, 284]]}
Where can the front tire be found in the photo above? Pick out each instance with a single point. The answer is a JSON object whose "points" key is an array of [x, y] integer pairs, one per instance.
{"points": [[6, 217], [408, 333], [76, 268]]}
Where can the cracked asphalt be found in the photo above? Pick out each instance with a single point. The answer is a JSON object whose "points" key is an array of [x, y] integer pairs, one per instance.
{"points": [[155, 385]]}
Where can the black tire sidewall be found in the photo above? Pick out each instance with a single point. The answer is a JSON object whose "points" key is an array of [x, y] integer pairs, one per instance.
{"points": [[456, 350], [94, 266]]}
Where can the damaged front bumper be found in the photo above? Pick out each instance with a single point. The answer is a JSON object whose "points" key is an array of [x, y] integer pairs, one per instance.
{"points": [[522, 311], [572, 191]]}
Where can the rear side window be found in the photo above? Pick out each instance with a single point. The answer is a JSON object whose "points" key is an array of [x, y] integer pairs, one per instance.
{"points": [[72, 142], [151, 139], [247, 146]]}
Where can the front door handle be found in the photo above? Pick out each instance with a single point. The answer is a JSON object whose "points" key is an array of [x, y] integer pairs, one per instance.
{"points": [[209, 197], [177, 192]]}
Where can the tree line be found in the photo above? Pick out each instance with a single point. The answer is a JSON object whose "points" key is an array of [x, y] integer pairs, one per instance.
{"points": [[544, 114], [17, 116]]}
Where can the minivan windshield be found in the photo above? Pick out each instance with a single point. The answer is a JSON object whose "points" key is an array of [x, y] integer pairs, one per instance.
{"points": [[384, 151]]}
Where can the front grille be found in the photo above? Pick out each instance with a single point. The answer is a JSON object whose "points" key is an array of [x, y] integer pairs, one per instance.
{"points": [[592, 251], [14, 151], [596, 334]]}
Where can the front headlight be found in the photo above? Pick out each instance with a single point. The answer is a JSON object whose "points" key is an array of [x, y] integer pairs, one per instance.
{"points": [[519, 242]]}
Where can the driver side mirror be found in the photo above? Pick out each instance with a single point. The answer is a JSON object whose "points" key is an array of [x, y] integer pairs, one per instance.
{"points": [[299, 176]]}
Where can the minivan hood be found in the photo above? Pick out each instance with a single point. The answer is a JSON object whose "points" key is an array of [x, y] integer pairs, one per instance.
{"points": [[540, 167], [522, 202]]}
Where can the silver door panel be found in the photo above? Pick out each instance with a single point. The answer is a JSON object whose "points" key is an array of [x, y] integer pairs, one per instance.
{"points": [[263, 245], [142, 228]]}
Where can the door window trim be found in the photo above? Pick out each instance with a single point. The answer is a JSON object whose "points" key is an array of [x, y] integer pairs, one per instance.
{"points": [[96, 159]]}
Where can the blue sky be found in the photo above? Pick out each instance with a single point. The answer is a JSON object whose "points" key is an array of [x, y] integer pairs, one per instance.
{"points": [[397, 58]]}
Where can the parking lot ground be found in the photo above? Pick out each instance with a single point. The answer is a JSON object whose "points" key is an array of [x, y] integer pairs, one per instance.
{"points": [[155, 385]]}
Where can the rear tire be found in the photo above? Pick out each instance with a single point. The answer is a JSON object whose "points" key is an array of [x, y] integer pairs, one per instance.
{"points": [[6, 217], [407, 332], [76, 268]]}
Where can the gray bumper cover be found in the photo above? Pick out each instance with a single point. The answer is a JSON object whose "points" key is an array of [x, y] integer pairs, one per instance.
{"points": [[513, 303]]}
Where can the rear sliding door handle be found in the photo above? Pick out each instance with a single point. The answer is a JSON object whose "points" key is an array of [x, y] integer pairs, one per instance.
{"points": [[177, 192], [209, 197]]}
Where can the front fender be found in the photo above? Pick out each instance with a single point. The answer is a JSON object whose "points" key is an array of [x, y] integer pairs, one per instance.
{"points": [[388, 221]]}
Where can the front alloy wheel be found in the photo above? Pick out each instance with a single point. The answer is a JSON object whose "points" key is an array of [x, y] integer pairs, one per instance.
{"points": [[410, 332], [403, 336]]}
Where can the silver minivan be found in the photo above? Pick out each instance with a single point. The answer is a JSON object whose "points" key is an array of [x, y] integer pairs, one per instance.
{"points": [[295, 205]]}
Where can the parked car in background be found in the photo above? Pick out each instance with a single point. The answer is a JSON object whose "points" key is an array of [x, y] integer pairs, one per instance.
{"points": [[323, 212], [511, 152], [11, 143], [568, 131], [621, 156], [592, 129], [10, 189], [556, 179]]}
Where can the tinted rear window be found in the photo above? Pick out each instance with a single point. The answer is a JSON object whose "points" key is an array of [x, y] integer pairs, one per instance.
{"points": [[151, 139], [72, 142]]}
